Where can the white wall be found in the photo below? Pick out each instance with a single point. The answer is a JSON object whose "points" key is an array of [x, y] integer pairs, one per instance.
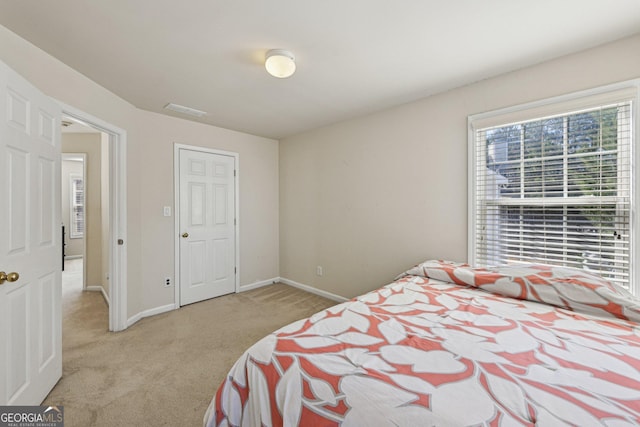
{"points": [[366, 198], [258, 199], [370, 197], [150, 170]]}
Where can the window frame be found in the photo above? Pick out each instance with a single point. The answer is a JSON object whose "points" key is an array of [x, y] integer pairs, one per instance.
{"points": [[629, 90]]}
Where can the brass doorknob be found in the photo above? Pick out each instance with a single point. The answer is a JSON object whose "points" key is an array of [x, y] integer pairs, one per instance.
{"points": [[185, 235], [11, 277]]}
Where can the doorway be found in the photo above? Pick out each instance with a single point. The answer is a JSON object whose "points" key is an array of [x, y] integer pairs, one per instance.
{"points": [[85, 206], [113, 220]]}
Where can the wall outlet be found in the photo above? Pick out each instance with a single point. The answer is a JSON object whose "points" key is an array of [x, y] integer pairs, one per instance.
{"points": [[167, 282], [319, 271]]}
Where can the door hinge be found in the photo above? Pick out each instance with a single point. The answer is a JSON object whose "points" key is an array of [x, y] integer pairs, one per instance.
{"points": [[234, 221], [234, 172], [235, 270]]}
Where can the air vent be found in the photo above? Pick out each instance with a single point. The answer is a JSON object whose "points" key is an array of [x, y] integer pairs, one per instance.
{"points": [[185, 110]]}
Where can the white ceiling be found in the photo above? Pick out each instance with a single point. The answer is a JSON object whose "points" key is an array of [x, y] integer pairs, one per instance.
{"points": [[353, 56]]}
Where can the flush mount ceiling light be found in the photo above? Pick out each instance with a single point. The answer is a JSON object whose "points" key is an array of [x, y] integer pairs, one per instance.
{"points": [[280, 63]]}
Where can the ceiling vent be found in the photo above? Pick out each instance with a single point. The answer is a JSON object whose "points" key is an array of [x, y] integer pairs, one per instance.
{"points": [[185, 110]]}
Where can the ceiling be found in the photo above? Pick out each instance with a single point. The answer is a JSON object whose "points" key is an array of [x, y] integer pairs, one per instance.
{"points": [[353, 57]]}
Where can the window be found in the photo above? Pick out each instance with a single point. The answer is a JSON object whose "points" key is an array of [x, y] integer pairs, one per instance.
{"points": [[552, 184], [77, 207]]}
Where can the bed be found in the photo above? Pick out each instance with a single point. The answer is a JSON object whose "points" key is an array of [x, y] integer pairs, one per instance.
{"points": [[449, 345]]}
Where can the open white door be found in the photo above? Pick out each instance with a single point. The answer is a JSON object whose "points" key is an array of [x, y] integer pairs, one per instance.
{"points": [[30, 242], [207, 225]]}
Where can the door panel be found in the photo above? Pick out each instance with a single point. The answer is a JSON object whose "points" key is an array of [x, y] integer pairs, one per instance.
{"points": [[220, 259], [197, 204], [47, 128], [19, 339], [17, 165], [197, 261], [17, 111], [46, 206], [206, 217], [30, 307], [47, 322], [220, 206]]}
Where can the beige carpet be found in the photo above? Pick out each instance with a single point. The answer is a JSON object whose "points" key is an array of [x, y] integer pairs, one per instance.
{"points": [[163, 370]]}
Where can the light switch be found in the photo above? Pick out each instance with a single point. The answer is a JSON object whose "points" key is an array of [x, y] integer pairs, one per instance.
{"points": [[167, 211]]}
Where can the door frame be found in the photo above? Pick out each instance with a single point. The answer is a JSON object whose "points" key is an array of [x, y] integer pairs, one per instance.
{"points": [[117, 213], [176, 203], [84, 196]]}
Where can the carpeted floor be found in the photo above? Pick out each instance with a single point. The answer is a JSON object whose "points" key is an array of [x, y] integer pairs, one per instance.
{"points": [[164, 370]]}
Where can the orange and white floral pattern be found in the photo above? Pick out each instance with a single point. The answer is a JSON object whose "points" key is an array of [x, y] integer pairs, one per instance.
{"points": [[569, 288], [434, 348]]}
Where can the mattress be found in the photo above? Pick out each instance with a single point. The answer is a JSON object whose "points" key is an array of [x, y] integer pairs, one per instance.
{"points": [[449, 345]]}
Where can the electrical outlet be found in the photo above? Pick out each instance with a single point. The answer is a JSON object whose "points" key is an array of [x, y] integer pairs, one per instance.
{"points": [[319, 271], [167, 282]]}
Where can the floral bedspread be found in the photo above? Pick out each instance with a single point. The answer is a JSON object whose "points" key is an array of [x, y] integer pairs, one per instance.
{"points": [[444, 345]]}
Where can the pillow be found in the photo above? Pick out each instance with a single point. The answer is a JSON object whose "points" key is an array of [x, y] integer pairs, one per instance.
{"points": [[568, 288]]}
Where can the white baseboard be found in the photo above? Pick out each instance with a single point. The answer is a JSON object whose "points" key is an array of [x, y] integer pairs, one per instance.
{"points": [[313, 290], [260, 284], [243, 288], [99, 289], [151, 312]]}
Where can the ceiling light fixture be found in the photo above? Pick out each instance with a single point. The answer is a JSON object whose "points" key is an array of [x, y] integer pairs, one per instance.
{"points": [[280, 63]]}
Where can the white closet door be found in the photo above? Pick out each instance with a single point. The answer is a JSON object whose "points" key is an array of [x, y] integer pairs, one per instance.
{"points": [[207, 225]]}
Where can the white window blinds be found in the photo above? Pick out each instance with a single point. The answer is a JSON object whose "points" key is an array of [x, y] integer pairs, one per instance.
{"points": [[77, 207], [556, 190]]}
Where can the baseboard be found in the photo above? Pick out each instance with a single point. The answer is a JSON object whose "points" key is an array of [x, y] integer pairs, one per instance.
{"points": [[70, 257], [151, 312], [163, 309], [313, 290], [99, 289], [260, 284]]}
